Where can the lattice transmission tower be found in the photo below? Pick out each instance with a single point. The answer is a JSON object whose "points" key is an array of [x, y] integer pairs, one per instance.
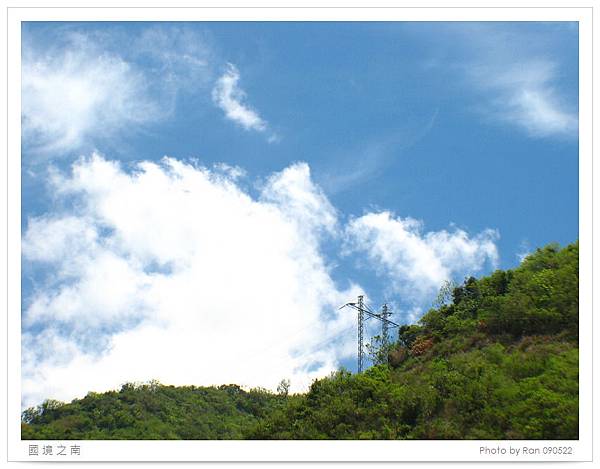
{"points": [[364, 312]]}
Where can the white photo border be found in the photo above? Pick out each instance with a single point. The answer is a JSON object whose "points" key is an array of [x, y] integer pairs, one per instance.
{"points": [[332, 450]]}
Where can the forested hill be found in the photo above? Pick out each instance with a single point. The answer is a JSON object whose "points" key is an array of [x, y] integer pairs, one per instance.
{"points": [[496, 359]]}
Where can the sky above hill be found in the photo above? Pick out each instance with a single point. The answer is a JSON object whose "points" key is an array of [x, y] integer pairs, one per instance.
{"points": [[199, 199]]}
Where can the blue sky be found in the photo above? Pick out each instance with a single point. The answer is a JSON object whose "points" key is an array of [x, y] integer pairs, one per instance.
{"points": [[334, 158]]}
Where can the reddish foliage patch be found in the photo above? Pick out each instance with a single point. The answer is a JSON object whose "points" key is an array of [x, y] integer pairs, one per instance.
{"points": [[420, 346]]}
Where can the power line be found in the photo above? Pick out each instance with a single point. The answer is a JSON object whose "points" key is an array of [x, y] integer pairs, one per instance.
{"points": [[366, 311]]}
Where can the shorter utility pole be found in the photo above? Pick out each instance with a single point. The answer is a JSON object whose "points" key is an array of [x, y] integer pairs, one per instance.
{"points": [[385, 314]]}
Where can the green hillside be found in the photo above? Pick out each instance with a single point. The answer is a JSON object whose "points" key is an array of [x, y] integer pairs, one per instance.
{"points": [[496, 359], [152, 411]]}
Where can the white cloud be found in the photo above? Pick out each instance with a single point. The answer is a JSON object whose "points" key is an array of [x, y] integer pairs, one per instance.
{"points": [[90, 88], [519, 74], [228, 96], [69, 96], [524, 250], [87, 89], [294, 192], [50, 240], [525, 96], [173, 272], [417, 263]]}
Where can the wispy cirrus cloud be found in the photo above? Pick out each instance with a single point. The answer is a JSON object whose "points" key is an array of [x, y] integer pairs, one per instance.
{"points": [[510, 73], [518, 78], [523, 94], [231, 99], [369, 160]]}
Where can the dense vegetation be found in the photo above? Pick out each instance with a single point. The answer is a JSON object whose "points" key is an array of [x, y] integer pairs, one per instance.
{"points": [[152, 411], [497, 358]]}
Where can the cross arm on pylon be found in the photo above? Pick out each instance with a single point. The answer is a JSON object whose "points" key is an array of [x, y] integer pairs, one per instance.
{"points": [[371, 314]]}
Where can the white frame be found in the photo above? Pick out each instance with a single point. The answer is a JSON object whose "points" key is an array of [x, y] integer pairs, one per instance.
{"points": [[297, 450]]}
